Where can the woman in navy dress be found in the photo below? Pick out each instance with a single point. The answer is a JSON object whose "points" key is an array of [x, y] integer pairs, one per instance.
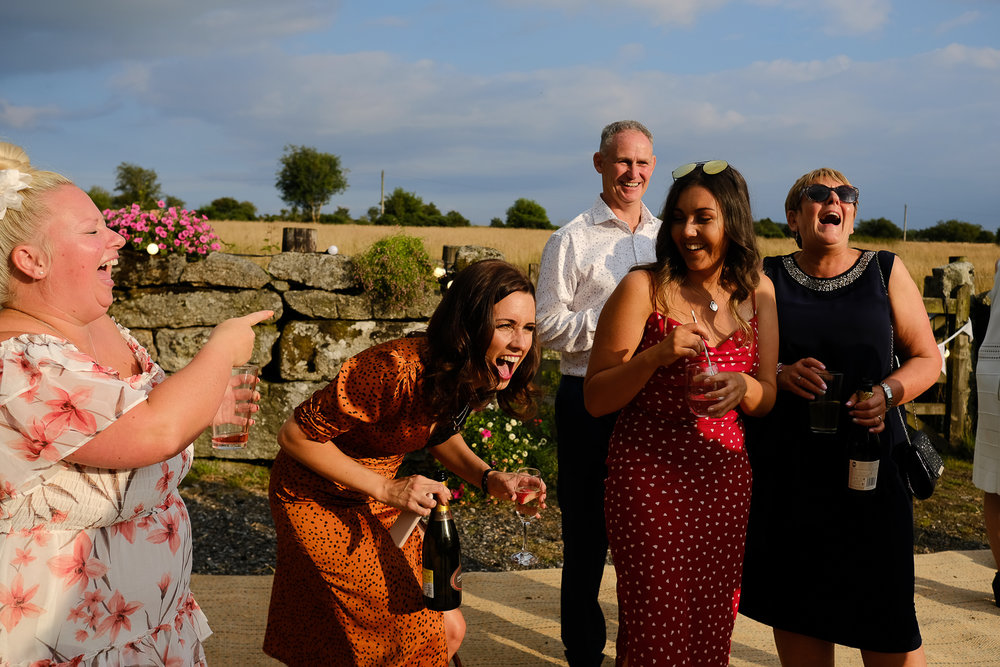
{"points": [[823, 568]]}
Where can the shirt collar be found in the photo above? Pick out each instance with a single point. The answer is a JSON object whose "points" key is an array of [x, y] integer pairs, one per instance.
{"points": [[603, 214]]}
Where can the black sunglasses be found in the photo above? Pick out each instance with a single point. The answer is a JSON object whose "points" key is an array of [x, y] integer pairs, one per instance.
{"points": [[819, 193], [710, 167]]}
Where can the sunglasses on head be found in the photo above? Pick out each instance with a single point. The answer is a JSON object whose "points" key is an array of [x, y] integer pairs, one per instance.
{"points": [[819, 193], [710, 167]]}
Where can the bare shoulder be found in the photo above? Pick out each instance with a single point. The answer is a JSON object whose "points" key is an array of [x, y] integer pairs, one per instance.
{"points": [[765, 287]]}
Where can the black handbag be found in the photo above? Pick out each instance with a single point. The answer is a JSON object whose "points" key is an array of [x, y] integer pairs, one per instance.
{"points": [[922, 465]]}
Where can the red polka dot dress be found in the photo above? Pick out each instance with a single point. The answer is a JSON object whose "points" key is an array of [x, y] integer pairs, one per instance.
{"points": [[676, 501]]}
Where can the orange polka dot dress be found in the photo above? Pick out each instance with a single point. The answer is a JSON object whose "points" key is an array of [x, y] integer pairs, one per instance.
{"points": [[343, 592], [676, 501]]}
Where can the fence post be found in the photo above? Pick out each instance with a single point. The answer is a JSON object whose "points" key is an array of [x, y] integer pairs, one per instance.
{"points": [[298, 239], [960, 367]]}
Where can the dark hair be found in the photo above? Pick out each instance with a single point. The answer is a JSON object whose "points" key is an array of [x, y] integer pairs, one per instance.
{"points": [[460, 332], [741, 266]]}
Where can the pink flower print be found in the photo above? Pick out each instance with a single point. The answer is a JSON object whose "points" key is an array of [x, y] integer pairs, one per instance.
{"points": [[92, 599], [169, 661], [33, 374], [80, 567], [15, 603], [132, 650], [39, 534], [23, 557], [94, 618], [77, 613], [168, 533], [67, 411], [81, 636], [146, 522], [164, 584], [163, 484], [58, 516], [126, 529], [138, 509], [36, 444], [7, 490], [118, 615]]}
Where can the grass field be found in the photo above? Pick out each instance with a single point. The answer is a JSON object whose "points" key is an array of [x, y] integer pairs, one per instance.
{"points": [[524, 246]]}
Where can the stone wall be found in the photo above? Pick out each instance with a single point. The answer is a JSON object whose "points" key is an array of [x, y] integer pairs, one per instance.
{"points": [[321, 318]]}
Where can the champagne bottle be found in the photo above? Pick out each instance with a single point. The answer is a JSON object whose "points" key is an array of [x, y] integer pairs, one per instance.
{"points": [[863, 453], [442, 572]]}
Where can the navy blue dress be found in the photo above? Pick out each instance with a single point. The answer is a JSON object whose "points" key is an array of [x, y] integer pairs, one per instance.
{"points": [[818, 561]]}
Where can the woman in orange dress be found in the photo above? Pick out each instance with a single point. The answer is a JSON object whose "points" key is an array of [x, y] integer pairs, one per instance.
{"points": [[344, 593]]}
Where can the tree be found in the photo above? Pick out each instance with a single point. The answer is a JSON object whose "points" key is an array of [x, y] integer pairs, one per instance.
{"points": [[308, 179], [455, 219], [955, 231], [406, 208], [136, 185], [528, 214], [101, 197], [342, 216], [227, 208], [769, 229], [496, 222], [878, 228]]}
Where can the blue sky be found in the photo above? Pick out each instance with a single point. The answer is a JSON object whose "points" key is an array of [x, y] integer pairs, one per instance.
{"points": [[472, 105]]}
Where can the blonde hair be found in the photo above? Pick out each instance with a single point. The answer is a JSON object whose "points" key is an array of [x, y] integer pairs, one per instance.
{"points": [[22, 225], [794, 198]]}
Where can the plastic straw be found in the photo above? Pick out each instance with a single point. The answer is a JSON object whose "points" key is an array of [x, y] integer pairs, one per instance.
{"points": [[704, 345]]}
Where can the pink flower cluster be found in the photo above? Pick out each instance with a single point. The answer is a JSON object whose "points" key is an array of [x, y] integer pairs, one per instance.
{"points": [[165, 230]]}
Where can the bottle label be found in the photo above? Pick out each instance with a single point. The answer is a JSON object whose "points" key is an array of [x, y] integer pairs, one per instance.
{"points": [[863, 475], [428, 583]]}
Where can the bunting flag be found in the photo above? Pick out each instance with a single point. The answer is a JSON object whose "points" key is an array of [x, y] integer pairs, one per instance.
{"points": [[967, 330]]}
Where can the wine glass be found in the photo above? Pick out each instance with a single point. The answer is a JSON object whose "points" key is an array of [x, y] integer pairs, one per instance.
{"points": [[528, 490]]}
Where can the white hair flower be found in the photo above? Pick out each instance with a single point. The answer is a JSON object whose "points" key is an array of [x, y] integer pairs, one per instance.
{"points": [[12, 182], [439, 272]]}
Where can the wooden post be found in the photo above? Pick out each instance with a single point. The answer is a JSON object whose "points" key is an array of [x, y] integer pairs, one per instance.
{"points": [[448, 255], [960, 368], [298, 239], [533, 269]]}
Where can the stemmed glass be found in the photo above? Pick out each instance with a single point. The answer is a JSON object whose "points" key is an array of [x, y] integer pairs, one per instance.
{"points": [[528, 490]]}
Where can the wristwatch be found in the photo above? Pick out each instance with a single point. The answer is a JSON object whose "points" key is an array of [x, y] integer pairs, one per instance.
{"points": [[888, 394]]}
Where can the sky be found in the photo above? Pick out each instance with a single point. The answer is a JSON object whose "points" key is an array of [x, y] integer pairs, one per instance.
{"points": [[472, 105]]}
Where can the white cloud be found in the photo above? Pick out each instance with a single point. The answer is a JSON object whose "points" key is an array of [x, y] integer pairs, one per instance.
{"points": [[18, 117], [964, 19], [956, 55], [832, 16]]}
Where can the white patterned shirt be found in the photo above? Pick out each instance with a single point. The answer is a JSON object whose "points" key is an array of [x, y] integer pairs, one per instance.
{"points": [[582, 263]]}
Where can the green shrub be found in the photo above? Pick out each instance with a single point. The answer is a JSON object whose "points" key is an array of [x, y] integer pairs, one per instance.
{"points": [[507, 443], [395, 271]]}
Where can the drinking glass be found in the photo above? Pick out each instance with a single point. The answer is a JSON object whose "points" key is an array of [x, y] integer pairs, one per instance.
{"points": [[528, 490], [698, 382]]}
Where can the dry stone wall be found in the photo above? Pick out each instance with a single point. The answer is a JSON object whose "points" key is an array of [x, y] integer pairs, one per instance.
{"points": [[321, 318]]}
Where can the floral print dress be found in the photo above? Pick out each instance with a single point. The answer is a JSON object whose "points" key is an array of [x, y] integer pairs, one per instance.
{"points": [[95, 564]]}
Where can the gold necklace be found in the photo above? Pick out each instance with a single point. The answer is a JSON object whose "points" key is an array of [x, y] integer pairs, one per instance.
{"points": [[90, 337]]}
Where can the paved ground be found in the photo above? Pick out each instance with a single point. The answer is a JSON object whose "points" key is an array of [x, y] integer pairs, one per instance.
{"points": [[513, 617]]}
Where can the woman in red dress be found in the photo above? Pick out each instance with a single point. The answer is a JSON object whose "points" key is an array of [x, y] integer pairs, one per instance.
{"points": [[678, 488], [343, 592]]}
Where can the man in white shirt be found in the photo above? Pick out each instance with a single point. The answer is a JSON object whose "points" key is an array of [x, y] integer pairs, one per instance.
{"points": [[581, 265]]}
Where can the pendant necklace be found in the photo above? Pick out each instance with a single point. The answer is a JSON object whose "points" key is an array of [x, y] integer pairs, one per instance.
{"points": [[713, 306]]}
